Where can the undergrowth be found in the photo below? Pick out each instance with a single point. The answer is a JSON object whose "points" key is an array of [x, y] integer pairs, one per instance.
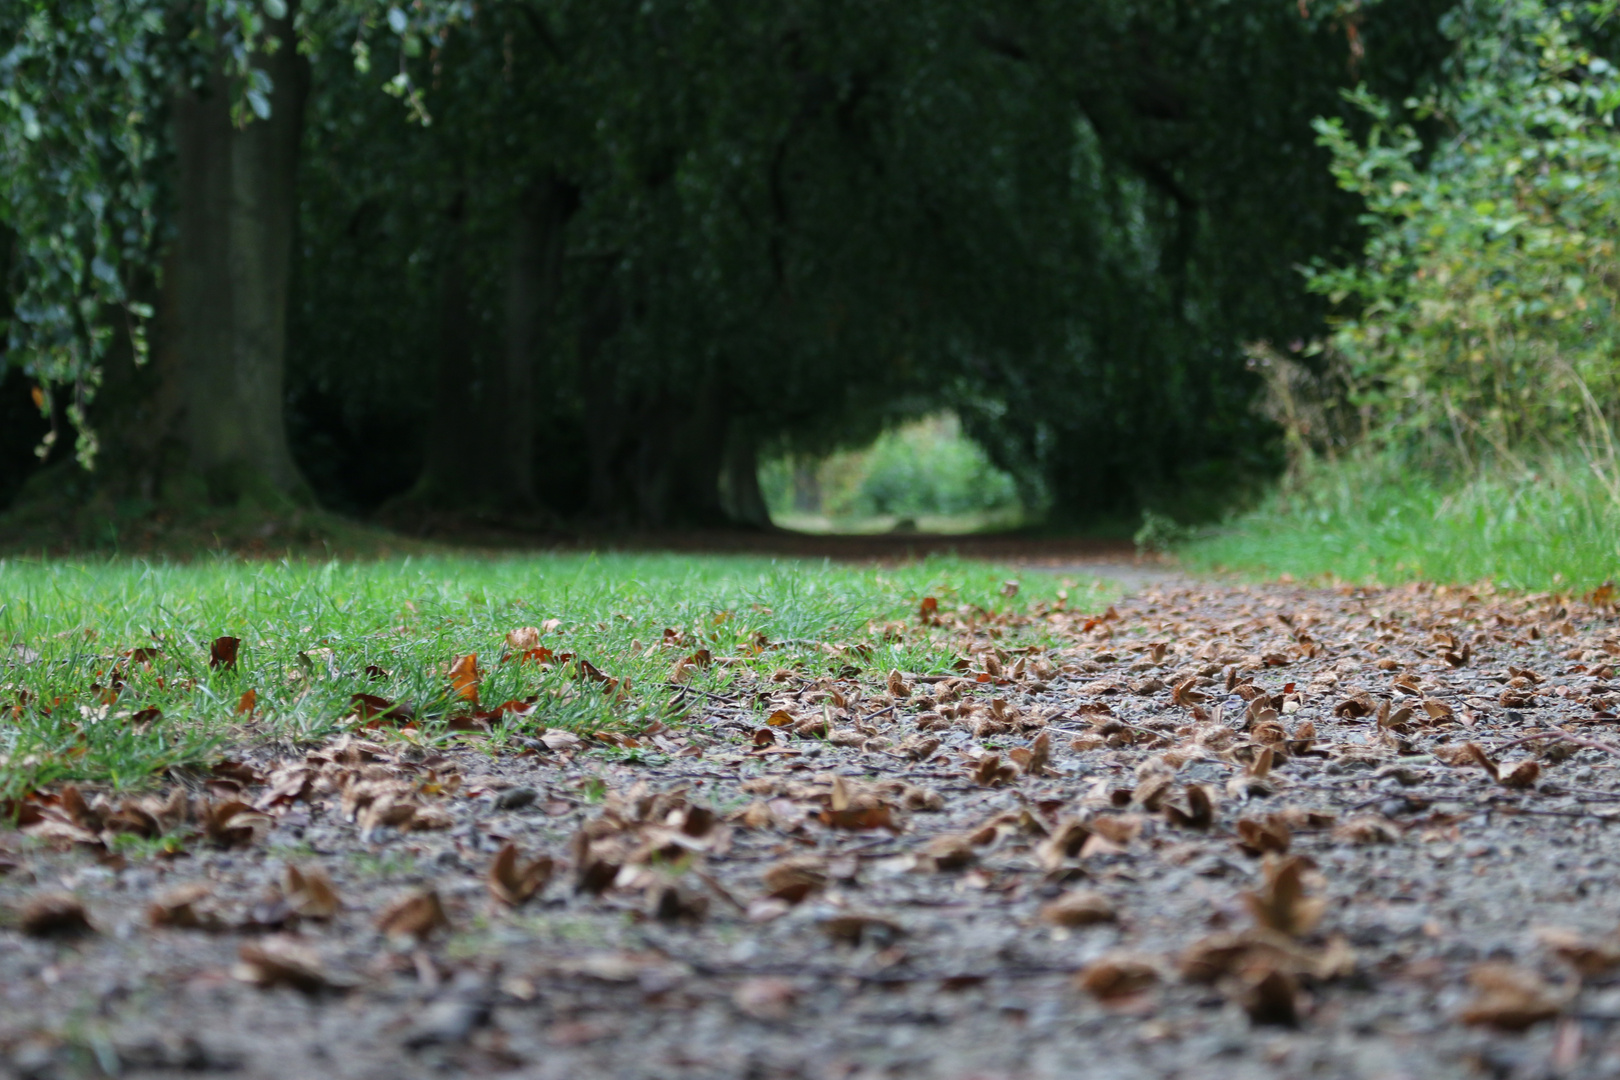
{"points": [[1551, 525]]}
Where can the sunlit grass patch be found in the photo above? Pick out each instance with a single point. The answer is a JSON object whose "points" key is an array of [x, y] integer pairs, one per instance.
{"points": [[1555, 525]]}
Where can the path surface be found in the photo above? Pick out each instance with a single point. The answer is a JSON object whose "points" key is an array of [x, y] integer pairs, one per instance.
{"points": [[1276, 832]]}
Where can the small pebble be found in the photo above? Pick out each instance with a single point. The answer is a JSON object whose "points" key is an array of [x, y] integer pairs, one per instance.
{"points": [[516, 798], [447, 1022]]}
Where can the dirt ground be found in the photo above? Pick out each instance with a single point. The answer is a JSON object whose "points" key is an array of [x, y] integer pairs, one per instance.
{"points": [[1222, 831]]}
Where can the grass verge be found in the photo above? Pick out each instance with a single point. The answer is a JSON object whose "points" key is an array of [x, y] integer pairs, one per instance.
{"points": [[1554, 525], [109, 671]]}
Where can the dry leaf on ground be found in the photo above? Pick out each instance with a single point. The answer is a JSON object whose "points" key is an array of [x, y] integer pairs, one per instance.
{"points": [[1511, 998], [514, 880], [1280, 903], [418, 915], [283, 961], [1118, 975]]}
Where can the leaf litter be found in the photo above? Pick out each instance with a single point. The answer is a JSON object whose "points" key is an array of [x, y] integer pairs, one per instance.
{"points": [[1174, 833]]}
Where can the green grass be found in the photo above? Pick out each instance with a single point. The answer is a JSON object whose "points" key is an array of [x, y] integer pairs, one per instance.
{"points": [[1551, 526], [310, 630]]}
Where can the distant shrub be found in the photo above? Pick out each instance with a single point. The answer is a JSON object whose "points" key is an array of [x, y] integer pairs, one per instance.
{"points": [[927, 467]]}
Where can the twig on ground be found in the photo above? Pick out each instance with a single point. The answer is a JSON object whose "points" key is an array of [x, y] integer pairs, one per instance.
{"points": [[711, 695], [1564, 736]]}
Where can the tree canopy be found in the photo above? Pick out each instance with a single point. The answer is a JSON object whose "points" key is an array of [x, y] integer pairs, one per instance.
{"points": [[568, 259]]}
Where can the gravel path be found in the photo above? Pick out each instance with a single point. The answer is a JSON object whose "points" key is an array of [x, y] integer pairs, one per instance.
{"points": [[1219, 832]]}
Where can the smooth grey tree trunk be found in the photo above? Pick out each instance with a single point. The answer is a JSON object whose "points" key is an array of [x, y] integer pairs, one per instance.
{"points": [[237, 218]]}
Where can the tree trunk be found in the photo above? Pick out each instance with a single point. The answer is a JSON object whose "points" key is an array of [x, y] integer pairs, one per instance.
{"points": [[451, 461], [605, 420], [533, 287], [238, 212], [137, 413], [655, 455], [680, 469], [745, 502]]}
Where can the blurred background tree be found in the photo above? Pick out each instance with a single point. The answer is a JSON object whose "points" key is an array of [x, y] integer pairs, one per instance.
{"points": [[555, 261]]}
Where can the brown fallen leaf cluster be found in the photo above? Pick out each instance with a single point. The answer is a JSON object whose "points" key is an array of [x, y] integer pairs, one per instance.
{"points": [[652, 844], [302, 894], [1308, 768], [67, 817]]}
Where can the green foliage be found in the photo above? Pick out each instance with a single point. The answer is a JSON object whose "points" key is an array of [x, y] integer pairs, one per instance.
{"points": [[926, 467], [792, 225], [1371, 519], [1473, 352], [1160, 532], [1482, 316], [930, 469], [84, 91], [78, 82]]}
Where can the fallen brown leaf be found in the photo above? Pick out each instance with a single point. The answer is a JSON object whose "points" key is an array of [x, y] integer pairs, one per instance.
{"points": [[869, 817], [794, 879], [1185, 696], [950, 851], [1368, 829], [1225, 954], [1081, 907], [1117, 975], [766, 998], [1200, 812], [1270, 837], [186, 908], [990, 772], [670, 902], [464, 678], [418, 914], [1587, 957], [1034, 760], [896, 685], [310, 893], [222, 653], [513, 880], [523, 638], [1511, 998], [856, 929], [1271, 997], [1280, 903], [1067, 840], [283, 961], [231, 823]]}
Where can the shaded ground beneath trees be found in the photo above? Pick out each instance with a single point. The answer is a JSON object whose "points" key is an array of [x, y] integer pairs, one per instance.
{"points": [[1216, 831], [56, 528]]}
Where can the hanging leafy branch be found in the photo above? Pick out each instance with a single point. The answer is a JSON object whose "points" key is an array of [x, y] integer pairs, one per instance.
{"points": [[83, 88], [77, 90]]}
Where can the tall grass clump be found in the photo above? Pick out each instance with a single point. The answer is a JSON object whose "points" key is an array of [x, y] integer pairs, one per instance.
{"points": [[1368, 519], [1458, 421]]}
